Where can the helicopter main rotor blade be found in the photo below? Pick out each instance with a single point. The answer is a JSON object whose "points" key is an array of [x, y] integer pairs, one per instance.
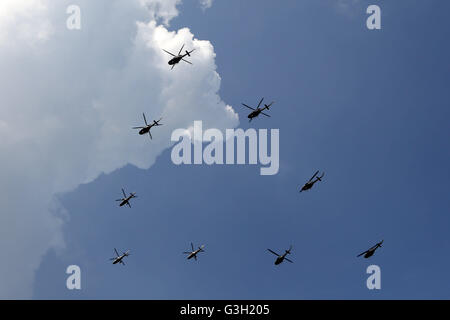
{"points": [[315, 174], [359, 255], [181, 49], [265, 114], [185, 252], [128, 203], [115, 250], [192, 246], [273, 252], [247, 106], [169, 53], [260, 103], [138, 127], [288, 260], [172, 67], [150, 135], [124, 195], [186, 61], [143, 114]]}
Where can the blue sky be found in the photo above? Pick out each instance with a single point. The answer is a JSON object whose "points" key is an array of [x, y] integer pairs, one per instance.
{"points": [[370, 108]]}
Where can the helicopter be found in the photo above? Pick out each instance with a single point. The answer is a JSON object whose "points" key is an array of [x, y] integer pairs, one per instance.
{"points": [[177, 58], [257, 111], [193, 253], [147, 127], [125, 199], [308, 185], [281, 258], [371, 251], [119, 258]]}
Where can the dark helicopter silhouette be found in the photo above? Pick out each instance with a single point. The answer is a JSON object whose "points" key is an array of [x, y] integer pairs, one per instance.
{"points": [[119, 257], [281, 258], [308, 185], [193, 253], [126, 200], [258, 110], [147, 127], [177, 58], [371, 251]]}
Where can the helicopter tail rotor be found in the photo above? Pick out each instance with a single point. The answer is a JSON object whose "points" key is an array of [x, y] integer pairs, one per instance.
{"points": [[189, 53], [267, 106], [320, 178]]}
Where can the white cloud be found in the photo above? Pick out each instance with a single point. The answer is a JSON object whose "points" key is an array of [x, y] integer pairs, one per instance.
{"points": [[26, 20], [69, 100], [205, 4]]}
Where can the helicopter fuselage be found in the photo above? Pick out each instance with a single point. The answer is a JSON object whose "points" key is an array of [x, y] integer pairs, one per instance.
{"points": [[118, 259], [175, 60], [254, 114], [144, 130], [191, 255], [124, 202], [280, 259], [307, 186]]}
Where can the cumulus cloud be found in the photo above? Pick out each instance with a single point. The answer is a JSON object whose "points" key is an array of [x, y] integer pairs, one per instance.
{"points": [[68, 101]]}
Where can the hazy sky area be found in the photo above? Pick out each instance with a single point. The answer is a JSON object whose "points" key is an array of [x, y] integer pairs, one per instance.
{"points": [[368, 107]]}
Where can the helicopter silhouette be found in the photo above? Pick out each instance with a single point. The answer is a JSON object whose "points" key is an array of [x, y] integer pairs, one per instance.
{"points": [[308, 185], [179, 57], [281, 258], [147, 127], [371, 251], [256, 112]]}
